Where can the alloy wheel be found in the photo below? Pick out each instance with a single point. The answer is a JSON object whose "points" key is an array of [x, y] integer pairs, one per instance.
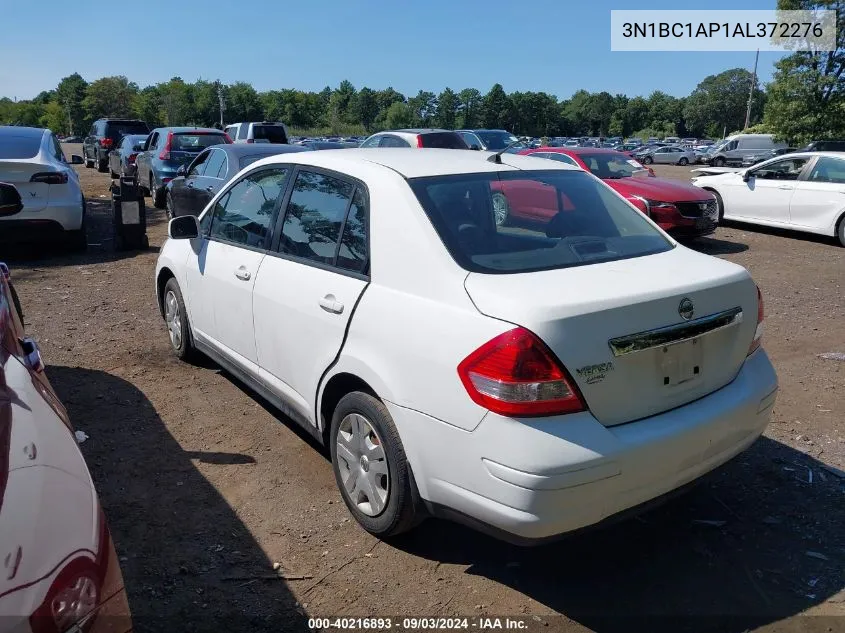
{"points": [[74, 602]]}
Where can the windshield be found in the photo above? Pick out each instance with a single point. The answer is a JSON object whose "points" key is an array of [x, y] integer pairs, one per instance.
{"points": [[269, 133], [515, 222], [497, 140], [116, 130], [12, 146], [611, 165], [195, 142]]}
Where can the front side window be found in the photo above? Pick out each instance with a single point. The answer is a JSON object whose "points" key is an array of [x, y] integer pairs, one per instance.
{"points": [[513, 222], [786, 169], [314, 217], [828, 170], [245, 213], [562, 158], [373, 141]]}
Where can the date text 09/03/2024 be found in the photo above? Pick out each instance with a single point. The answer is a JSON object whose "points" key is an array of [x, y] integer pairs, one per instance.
{"points": [[418, 624]]}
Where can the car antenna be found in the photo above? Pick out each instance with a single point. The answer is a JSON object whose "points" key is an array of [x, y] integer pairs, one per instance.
{"points": [[497, 157]]}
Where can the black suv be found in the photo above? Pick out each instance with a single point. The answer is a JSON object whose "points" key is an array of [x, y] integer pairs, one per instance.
{"points": [[104, 136], [825, 146]]}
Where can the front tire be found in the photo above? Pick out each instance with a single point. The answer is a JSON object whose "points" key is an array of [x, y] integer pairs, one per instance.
{"points": [[89, 164], [169, 211], [176, 319], [840, 230], [102, 166], [156, 193], [370, 466], [683, 162], [719, 162], [648, 160]]}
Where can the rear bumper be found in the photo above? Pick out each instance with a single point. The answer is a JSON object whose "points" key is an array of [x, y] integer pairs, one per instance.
{"points": [[533, 479], [47, 221]]}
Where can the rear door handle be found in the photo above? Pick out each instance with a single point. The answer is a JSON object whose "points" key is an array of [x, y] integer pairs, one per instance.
{"points": [[786, 187], [209, 189], [242, 273], [330, 304], [190, 183]]}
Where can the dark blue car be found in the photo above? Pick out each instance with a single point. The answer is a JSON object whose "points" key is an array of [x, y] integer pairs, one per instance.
{"points": [[167, 149]]}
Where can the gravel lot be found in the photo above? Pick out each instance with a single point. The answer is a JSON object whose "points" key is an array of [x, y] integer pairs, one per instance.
{"points": [[206, 487]]}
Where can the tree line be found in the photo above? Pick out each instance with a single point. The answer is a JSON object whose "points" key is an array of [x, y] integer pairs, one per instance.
{"points": [[804, 101]]}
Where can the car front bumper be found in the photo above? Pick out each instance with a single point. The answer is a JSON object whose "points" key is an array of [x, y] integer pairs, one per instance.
{"points": [[535, 478]]}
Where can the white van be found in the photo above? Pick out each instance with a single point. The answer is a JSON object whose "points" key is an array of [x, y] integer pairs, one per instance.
{"points": [[258, 132], [734, 148]]}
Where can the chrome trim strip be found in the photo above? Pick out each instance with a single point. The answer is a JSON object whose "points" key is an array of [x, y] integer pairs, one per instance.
{"points": [[671, 334]]}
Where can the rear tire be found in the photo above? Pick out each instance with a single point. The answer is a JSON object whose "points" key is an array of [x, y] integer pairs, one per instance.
{"points": [[647, 160], [840, 230], [88, 163], [77, 241], [169, 211], [719, 204], [683, 162], [719, 162], [102, 166], [399, 510]]}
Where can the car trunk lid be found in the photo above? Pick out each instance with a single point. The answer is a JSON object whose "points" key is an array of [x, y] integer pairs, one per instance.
{"points": [[34, 195], [617, 326]]}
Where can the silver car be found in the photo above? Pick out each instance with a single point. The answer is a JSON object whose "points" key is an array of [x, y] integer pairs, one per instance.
{"points": [[669, 155]]}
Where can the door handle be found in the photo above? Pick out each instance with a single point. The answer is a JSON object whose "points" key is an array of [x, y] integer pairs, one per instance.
{"points": [[209, 189], [191, 183], [786, 187], [242, 273], [330, 304]]}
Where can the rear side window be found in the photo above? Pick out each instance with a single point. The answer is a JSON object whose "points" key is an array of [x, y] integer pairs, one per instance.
{"points": [[19, 146], [195, 142], [393, 141], [243, 129], [116, 130], [315, 216], [245, 214], [828, 170], [444, 140], [352, 254], [269, 133], [215, 163], [514, 222]]}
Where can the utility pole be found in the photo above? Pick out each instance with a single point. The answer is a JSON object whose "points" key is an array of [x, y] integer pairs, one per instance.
{"points": [[221, 99], [751, 92]]}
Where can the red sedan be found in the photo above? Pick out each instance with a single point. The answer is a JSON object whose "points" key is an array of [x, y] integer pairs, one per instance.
{"points": [[681, 209]]}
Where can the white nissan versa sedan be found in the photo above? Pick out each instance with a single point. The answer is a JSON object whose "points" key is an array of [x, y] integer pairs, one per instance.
{"points": [[530, 379]]}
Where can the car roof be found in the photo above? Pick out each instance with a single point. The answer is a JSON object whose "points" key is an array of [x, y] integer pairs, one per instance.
{"points": [[573, 150], [15, 130], [419, 163], [420, 130], [185, 129], [253, 149]]}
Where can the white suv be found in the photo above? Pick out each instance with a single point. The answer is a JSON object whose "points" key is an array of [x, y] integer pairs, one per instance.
{"points": [[260, 132], [531, 379]]}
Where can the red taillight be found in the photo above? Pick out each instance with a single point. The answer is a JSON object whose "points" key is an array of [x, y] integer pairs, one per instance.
{"points": [[50, 177], [106, 142], [165, 152], [516, 375], [758, 333], [228, 138], [131, 159], [420, 141], [250, 140]]}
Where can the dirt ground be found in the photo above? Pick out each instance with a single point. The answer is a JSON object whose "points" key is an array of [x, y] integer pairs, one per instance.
{"points": [[206, 487]]}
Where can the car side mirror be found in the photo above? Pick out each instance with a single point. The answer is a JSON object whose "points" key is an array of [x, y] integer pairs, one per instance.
{"points": [[746, 176], [10, 200], [138, 148], [182, 171], [76, 159], [184, 227]]}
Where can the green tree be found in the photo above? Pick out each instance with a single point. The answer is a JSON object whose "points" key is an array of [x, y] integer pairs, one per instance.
{"points": [[447, 109], [497, 108], [470, 108], [806, 98], [109, 96], [365, 108], [69, 93], [206, 104], [720, 101], [54, 118], [424, 107], [177, 99], [242, 103], [339, 110], [399, 115], [148, 106]]}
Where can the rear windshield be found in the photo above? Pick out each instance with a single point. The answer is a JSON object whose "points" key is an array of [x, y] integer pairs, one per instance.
{"points": [[195, 142], [444, 140], [514, 222], [116, 130], [19, 146], [611, 165], [269, 133], [497, 140]]}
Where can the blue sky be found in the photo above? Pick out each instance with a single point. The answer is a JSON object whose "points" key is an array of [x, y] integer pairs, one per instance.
{"points": [[557, 46]]}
